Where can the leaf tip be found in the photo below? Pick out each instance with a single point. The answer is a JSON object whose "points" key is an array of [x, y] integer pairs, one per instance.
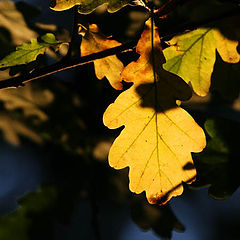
{"points": [[162, 199]]}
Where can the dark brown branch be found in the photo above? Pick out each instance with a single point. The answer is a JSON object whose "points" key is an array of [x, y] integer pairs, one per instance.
{"points": [[181, 28], [64, 65], [61, 66], [74, 43], [169, 6]]}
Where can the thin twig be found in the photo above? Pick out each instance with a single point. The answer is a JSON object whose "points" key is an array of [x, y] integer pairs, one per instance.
{"points": [[169, 6], [61, 66], [72, 63], [181, 28], [75, 35]]}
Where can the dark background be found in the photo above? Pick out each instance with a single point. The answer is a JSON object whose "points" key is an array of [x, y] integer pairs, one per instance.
{"points": [[23, 169]]}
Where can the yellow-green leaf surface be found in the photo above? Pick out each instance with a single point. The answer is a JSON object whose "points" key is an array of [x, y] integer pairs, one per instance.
{"points": [[28, 52], [192, 56], [159, 136], [110, 67], [87, 6]]}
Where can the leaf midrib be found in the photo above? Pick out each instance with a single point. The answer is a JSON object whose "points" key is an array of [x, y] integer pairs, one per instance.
{"points": [[186, 51]]}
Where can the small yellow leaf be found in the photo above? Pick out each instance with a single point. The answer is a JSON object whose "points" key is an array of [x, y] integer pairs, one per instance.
{"points": [[192, 56], [159, 136], [110, 67]]}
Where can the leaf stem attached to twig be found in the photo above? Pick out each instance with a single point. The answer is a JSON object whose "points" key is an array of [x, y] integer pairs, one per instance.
{"points": [[61, 66]]}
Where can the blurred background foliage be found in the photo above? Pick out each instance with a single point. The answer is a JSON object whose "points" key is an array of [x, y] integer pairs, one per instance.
{"points": [[54, 145]]}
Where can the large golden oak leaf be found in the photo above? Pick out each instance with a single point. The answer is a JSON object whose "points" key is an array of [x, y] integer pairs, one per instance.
{"points": [[159, 136], [110, 67]]}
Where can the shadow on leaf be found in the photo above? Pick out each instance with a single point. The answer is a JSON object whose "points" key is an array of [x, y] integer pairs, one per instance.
{"points": [[162, 95], [225, 80]]}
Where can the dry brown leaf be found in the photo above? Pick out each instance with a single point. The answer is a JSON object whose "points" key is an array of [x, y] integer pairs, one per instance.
{"points": [[159, 136], [110, 67]]}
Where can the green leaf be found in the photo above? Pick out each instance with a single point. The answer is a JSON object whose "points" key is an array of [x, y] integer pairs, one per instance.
{"points": [[217, 165], [192, 56], [33, 206], [160, 219], [28, 52], [87, 6]]}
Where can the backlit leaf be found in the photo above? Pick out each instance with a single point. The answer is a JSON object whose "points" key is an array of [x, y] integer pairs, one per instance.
{"points": [[28, 52], [110, 67], [159, 136], [87, 6], [192, 56]]}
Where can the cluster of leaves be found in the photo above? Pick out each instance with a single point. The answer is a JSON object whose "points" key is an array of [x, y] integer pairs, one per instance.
{"points": [[25, 104], [159, 135]]}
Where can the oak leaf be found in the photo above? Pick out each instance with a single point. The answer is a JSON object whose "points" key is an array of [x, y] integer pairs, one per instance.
{"points": [[87, 6], [192, 56], [110, 67], [28, 52], [159, 136]]}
